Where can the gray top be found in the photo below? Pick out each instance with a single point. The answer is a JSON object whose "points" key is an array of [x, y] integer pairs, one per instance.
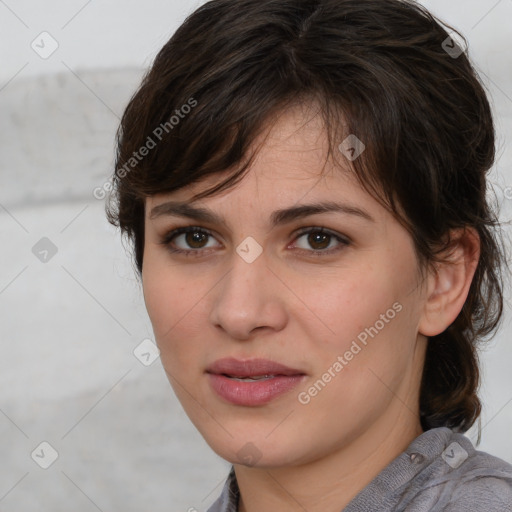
{"points": [[439, 472]]}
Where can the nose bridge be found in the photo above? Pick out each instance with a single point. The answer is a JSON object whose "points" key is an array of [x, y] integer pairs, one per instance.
{"points": [[248, 267], [245, 297]]}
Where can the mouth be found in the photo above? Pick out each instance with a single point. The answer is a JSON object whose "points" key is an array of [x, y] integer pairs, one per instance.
{"points": [[250, 379], [251, 369], [252, 382]]}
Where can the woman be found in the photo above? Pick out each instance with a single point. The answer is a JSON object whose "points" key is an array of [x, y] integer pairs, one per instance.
{"points": [[304, 186]]}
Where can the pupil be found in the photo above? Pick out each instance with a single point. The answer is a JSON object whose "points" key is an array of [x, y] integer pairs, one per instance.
{"points": [[195, 238], [316, 238]]}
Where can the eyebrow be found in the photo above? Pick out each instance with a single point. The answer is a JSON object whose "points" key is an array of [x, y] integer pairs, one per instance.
{"points": [[278, 217]]}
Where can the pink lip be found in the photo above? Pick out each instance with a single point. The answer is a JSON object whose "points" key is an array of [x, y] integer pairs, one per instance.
{"points": [[250, 368], [254, 393]]}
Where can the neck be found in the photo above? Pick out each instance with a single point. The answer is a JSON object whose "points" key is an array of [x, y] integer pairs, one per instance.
{"points": [[331, 482]]}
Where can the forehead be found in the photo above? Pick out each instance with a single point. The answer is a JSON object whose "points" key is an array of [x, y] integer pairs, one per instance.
{"points": [[291, 159]]}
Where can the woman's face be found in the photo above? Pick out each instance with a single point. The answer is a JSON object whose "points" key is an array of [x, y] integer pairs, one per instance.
{"points": [[325, 323]]}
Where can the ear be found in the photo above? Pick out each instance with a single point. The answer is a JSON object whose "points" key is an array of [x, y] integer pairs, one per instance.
{"points": [[448, 283]]}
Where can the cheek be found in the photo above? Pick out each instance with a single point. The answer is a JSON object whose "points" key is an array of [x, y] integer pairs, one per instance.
{"points": [[350, 301], [370, 312], [167, 295], [177, 305], [360, 368], [160, 299]]}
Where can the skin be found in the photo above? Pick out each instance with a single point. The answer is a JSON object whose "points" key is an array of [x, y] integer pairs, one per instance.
{"points": [[303, 310]]}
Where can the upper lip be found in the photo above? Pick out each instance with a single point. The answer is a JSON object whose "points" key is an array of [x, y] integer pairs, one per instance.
{"points": [[250, 368]]}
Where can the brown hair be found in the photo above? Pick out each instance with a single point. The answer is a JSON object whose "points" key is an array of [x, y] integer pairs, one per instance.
{"points": [[383, 70]]}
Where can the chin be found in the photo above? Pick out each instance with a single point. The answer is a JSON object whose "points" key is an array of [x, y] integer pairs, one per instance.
{"points": [[256, 449]]}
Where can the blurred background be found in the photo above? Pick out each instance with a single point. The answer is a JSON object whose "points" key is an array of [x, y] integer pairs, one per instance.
{"points": [[88, 420]]}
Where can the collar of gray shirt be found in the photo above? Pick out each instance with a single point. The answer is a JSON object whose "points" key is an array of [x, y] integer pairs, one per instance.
{"points": [[440, 471]]}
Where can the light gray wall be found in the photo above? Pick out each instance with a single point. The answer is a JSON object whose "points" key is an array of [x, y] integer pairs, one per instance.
{"points": [[69, 326]]}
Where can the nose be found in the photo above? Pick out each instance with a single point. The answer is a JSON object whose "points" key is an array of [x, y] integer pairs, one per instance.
{"points": [[249, 297]]}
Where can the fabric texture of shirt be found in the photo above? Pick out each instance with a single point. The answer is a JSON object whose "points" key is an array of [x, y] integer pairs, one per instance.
{"points": [[440, 471]]}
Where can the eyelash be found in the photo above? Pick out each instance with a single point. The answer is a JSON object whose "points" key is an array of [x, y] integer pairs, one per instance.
{"points": [[168, 238]]}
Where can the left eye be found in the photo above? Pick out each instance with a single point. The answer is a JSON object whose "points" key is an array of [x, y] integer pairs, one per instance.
{"points": [[320, 240], [196, 240]]}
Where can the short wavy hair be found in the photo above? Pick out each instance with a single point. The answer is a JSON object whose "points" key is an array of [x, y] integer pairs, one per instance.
{"points": [[386, 71]]}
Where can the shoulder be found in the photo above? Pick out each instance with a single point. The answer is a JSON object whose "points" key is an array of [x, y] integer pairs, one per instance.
{"points": [[483, 482], [492, 494]]}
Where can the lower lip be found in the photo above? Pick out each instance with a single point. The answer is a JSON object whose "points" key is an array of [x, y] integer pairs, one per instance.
{"points": [[253, 393]]}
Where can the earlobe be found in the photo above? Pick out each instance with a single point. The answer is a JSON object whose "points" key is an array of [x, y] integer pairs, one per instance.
{"points": [[449, 282]]}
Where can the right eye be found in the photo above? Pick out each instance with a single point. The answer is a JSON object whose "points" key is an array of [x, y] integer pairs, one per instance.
{"points": [[192, 238]]}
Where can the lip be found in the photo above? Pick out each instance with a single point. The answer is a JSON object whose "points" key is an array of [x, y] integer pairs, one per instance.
{"points": [[250, 368], [281, 379]]}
